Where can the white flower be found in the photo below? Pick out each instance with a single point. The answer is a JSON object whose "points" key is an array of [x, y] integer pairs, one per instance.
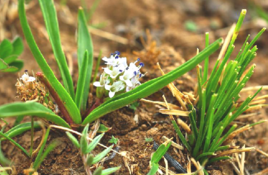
{"points": [[116, 87], [26, 78], [115, 60], [130, 72], [118, 76], [102, 82], [114, 71]]}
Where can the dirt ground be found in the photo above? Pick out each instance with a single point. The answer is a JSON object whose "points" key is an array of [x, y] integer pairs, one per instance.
{"points": [[178, 28]]}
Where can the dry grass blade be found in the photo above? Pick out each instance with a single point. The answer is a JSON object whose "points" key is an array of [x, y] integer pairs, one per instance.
{"points": [[263, 172], [164, 138], [172, 106], [254, 88], [174, 112], [227, 41], [108, 35], [262, 152], [175, 92], [235, 133], [184, 126], [235, 151]]}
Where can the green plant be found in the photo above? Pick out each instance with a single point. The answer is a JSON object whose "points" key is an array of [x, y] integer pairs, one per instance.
{"points": [[219, 102], [73, 105], [157, 155], [19, 129], [113, 140], [85, 147], [9, 53]]}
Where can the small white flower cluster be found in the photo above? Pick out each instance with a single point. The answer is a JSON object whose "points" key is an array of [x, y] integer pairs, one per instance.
{"points": [[118, 76], [26, 78]]}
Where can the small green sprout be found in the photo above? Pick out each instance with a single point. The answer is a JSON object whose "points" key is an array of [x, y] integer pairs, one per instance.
{"points": [[149, 139], [86, 147], [134, 105], [113, 140], [190, 26]]}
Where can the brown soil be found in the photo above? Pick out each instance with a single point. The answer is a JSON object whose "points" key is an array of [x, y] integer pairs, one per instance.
{"points": [[130, 19]]}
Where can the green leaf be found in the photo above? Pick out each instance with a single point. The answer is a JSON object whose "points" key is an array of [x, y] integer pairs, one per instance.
{"points": [[160, 152], [113, 140], [57, 86], [49, 148], [6, 48], [38, 158], [17, 46], [51, 21], [3, 64], [103, 128], [3, 160], [98, 171], [73, 139], [151, 86], [83, 140], [15, 143], [84, 43], [153, 169], [90, 159], [81, 81], [18, 64], [30, 109], [101, 155], [110, 170], [94, 143], [20, 128], [11, 58]]}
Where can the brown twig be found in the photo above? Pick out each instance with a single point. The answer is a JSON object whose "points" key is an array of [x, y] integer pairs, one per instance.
{"points": [[56, 97]]}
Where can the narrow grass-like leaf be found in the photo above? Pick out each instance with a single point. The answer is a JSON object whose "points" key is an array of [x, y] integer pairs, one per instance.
{"points": [[38, 161], [73, 139], [90, 158], [31, 109], [3, 160], [15, 143], [92, 9], [21, 128], [202, 124], [84, 43], [160, 152], [52, 26], [98, 171], [110, 170], [206, 64], [218, 159], [205, 155], [183, 140], [94, 143], [81, 81], [153, 169], [63, 94], [101, 155], [151, 86], [49, 148], [97, 67], [83, 140]]}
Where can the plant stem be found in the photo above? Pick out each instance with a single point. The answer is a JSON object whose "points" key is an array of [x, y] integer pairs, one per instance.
{"points": [[56, 97], [32, 135], [97, 103]]}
